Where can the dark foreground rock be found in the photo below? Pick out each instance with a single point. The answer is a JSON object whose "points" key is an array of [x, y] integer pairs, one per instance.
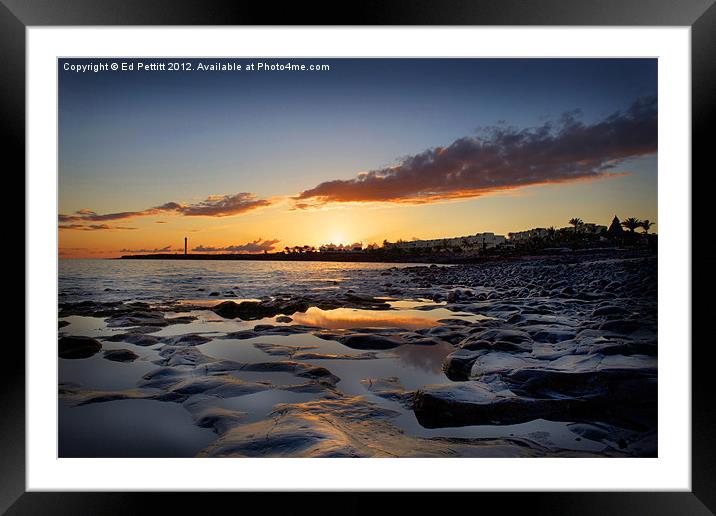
{"points": [[622, 394], [559, 340], [120, 355], [78, 347], [252, 310], [370, 341], [345, 426]]}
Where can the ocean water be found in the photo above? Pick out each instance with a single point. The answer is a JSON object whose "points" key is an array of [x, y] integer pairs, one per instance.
{"points": [[172, 280]]}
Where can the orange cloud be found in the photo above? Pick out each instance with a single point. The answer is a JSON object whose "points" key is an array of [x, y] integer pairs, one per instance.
{"points": [[213, 206], [91, 227], [502, 159]]}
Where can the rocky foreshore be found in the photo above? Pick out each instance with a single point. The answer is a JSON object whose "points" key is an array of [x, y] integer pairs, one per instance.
{"points": [[557, 339]]}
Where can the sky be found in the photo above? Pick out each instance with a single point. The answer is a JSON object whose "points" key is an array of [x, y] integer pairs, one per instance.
{"points": [[365, 151]]}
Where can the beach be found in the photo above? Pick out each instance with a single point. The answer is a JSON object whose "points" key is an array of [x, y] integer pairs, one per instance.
{"points": [[532, 356]]}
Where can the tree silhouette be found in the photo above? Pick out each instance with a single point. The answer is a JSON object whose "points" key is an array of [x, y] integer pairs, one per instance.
{"points": [[576, 223], [551, 233], [631, 224], [615, 229], [646, 225]]}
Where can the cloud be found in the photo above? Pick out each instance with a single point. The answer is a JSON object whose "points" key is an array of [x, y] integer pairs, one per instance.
{"points": [[257, 246], [213, 206], [92, 227], [503, 158], [166, 249]]}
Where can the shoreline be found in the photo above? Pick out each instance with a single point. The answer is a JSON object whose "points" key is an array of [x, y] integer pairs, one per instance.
{"points": [[398, 258], [536, 357]]}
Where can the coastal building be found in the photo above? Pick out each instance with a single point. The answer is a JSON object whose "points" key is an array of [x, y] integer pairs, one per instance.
{"points": [[588, 228], [592, 229], [529, 234], [470, 243]]}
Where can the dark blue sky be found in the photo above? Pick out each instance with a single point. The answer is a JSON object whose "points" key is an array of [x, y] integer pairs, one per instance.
{"points": [[277, 133]]}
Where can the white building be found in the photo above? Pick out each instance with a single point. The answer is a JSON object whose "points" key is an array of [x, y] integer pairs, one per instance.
{"points": [[529, 234], [477, 242]]}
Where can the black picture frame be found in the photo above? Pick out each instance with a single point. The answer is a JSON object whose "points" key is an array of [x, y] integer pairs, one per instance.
{"points": [[700, 15]]}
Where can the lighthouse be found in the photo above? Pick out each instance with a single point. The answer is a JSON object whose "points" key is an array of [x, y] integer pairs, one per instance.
{"points": [[184, 246]]}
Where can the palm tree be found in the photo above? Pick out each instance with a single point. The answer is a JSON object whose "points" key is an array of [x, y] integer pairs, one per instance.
{"points": [[551, 233], [576, 223], [646, 225], [631, 224]]}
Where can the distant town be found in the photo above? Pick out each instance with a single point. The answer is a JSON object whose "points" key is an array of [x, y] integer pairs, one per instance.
{"points": [[631, 232]]}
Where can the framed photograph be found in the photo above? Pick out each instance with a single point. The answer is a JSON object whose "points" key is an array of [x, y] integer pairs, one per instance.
{"points": [[435, 248]]}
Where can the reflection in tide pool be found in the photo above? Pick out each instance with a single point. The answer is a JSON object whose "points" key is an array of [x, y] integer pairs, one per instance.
{"points": [[345, 318], [351, 318]]}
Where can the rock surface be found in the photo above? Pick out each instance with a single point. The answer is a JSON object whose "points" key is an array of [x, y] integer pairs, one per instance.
{"points": [[120, 355], [565, 340], [74, 347]]}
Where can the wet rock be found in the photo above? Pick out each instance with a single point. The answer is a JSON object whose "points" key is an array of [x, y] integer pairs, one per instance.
{"points": [[262, 330], [120, 355], [304, 353], [163, 378], [476, 343], [623, 326], [518, 337], [219, 419], [370, 341], [281, 350], [80, 397], [454, 322], [184, 319], [450, 334], [251, 310], [390, 389], [98, 309], [284, 319], [297, 436], [206, 414], [145, 318], [191, 339], [138, 339], [550, 334], [457, 365], [473, 403], [418, 340], [352, 427], [319, 374], [181, 356], [75, 347], [137, 318], [224, 386], [610, 311], [241, 335], [513, 388]]}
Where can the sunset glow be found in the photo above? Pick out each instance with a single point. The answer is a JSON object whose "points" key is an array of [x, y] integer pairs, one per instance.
{"points": [[367, 152]]}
